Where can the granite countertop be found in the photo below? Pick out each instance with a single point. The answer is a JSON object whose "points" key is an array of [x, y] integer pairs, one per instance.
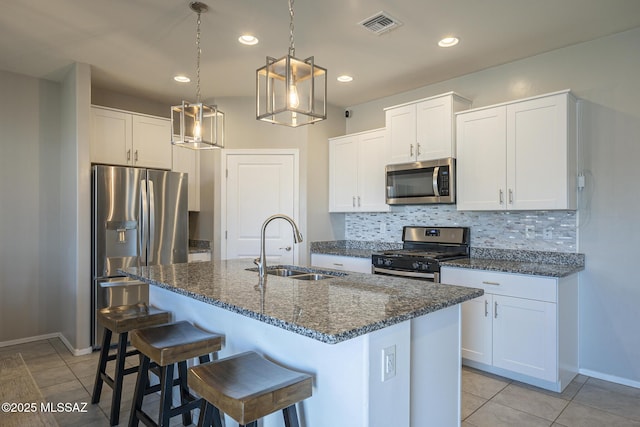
{"points": [[549, 264], [352, 248], [331, 310], [537, 263]]}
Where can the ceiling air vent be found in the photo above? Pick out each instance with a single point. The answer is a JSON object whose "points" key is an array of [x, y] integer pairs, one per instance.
{"points": [[380, 23]]}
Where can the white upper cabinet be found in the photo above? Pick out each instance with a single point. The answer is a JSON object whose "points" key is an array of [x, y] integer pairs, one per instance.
{"points": [[356, 172], [188, 161], [127, 139], [518, 156], [425, 129]]}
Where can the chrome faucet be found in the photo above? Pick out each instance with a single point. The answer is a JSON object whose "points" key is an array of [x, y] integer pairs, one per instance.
{"points": [[261, 261]]}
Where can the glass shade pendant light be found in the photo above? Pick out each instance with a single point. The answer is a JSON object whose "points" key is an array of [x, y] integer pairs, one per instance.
{"points": [[196, 125], [291, 91]]}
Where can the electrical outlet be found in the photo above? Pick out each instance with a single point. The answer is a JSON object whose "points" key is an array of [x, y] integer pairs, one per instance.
{"points": [[529, 231], [548, 233], [388, 363]]}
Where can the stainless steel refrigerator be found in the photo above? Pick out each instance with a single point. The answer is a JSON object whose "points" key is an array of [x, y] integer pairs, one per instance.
{"points": [[139, 218]]}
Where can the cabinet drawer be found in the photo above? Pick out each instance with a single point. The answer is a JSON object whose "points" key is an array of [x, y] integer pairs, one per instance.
{"points": [[514, 285], [343, 263]]}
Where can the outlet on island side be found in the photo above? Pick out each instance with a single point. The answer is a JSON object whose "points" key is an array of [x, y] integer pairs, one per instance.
{"points": [[388, 363]]}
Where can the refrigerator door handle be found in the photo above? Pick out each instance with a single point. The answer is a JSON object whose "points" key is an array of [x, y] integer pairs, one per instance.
{"points": [[143, 229], [152, 223]]}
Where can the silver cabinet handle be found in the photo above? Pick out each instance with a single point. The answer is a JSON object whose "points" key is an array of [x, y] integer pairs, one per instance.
{"points": [[495, 310], [353, 201], [486, 308], [418, 150], [510, 196], [286, 248], [128, 154], [490, 283], [410, 150], [500, 196], [338, 264], [135, 156], [359, 204]]}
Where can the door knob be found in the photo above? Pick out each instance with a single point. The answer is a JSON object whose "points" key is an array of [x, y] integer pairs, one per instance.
{"points": [[286, 248]]}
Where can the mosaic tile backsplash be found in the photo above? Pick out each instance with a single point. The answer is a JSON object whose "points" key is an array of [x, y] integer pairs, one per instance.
{"points": [[531, 230]]}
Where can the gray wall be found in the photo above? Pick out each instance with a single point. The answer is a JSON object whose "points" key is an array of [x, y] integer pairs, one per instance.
{"points": [[30, 210], [604, 74]]}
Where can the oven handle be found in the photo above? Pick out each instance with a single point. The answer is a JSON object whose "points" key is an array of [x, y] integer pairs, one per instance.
{"points": [[433, 276]]}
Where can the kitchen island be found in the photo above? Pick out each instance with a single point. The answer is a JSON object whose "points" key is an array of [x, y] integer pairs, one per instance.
{"points": [[336, 329]]}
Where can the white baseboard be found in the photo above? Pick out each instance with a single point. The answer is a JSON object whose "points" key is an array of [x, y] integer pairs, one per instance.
{"points": [[29, 339], [74, 351], [610, 378]]}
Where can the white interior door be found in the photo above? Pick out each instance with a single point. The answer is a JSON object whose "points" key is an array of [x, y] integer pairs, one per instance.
{"points": [[257, 186]]}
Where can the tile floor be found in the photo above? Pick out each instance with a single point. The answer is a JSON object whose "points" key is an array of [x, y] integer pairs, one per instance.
{"points": [[487, 400]]}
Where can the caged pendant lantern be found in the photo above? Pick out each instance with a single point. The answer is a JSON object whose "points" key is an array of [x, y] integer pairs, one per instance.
{"points": [[291, 91], [196, 125]]}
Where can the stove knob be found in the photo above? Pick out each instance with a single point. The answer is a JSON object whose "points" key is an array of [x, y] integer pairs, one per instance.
{"points": [[416, 265], [387, 262]]}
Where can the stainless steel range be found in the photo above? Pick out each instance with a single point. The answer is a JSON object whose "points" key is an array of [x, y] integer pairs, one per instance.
{"points": [[422, 251]]}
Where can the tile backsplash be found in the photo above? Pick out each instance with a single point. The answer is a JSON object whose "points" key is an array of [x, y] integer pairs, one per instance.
{"points": [[530, 230]]}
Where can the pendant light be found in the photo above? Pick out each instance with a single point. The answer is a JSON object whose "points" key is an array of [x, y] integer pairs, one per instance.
{"points": [[291, 91], [196, 125]]}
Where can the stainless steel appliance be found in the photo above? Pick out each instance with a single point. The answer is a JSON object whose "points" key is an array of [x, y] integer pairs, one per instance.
{"points": [[423, 249], [139, 218], [427, 182]]}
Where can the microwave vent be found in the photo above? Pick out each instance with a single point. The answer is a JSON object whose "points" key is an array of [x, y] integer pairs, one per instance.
{"points": [[380, 23]]}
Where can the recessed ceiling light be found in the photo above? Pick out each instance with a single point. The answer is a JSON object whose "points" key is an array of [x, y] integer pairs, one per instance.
{"points": [[248, 39], [182, 79], [344, 78], [448, 42]]}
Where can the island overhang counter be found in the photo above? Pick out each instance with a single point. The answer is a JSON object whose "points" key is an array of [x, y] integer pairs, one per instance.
{"points": [[383, 351]]}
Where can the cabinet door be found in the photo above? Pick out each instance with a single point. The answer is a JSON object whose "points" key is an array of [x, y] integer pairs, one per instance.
{"points": [[537, 154], [110, 137], [524, 337], [481, 160], [151, 142], [433, 127], [373, 155], [401, 128], [477, 335], [343, 174], [188, 161]]}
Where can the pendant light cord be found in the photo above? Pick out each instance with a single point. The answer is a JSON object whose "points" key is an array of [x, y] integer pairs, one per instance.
{"points": [[292, 48], [198, 51]]}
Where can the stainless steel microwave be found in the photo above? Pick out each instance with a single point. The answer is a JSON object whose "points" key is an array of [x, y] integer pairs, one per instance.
{"points": [[416, 183]]}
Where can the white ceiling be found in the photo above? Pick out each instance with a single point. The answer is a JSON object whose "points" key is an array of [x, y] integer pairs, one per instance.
{"points": [[137, 46]]}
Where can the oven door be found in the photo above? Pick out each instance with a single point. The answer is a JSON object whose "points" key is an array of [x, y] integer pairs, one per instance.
{"points": [[430, 277]]}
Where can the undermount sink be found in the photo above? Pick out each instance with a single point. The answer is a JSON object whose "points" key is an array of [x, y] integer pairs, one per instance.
{"points": [[302, 274], [284, 272], [312, 276]]}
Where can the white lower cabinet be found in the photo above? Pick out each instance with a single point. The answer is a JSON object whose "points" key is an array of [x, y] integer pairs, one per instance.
{"points": [[343, 263], [523, 327]]}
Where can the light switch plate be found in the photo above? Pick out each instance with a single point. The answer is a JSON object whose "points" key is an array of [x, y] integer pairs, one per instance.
{"points": [[388, 363]]}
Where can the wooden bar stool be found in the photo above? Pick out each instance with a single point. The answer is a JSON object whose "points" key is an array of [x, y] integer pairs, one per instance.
{"points": [[167, 345], [121, 320], [248, 387]]}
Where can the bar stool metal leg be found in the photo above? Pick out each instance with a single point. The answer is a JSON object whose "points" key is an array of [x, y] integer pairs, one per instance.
{"points": [[102, 366]]}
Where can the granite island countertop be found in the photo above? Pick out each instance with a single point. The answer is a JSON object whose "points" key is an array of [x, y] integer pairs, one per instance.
{"points": [[330, 310]]}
